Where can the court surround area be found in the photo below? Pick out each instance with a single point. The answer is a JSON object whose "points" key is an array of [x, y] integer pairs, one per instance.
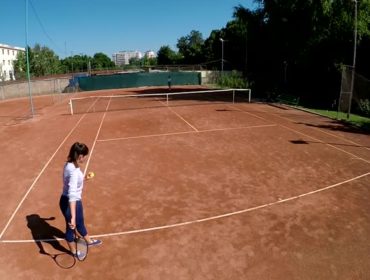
{"points": [[203, 188]]}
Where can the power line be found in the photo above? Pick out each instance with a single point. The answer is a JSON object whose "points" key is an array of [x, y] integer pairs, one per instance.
{"points": [[43, 28]]}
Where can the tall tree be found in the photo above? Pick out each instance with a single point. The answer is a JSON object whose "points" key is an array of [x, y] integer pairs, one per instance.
{"points": [[20, 65], [43, 61], [77, 63], [211, 50], [249, 28], [101, 61], [301, 43], [190, 47], [149, 61], [166, 56]]}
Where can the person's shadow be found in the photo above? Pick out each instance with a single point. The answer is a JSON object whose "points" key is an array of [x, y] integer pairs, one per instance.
{"points": [[43, 232]]}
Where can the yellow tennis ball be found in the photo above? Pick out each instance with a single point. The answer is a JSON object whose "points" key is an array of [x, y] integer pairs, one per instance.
{"points": [[90, 175]]}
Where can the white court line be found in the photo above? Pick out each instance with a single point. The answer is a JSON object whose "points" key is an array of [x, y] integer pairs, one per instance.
{"points": [[146, 136], [236, 128], [185, 132], [322, 131], [341, 137], [245, 112], [193, 127], [37, 178], [178, 115], [298, 132], [96, 137], [325, 132], [330, 145], [204, 219]]}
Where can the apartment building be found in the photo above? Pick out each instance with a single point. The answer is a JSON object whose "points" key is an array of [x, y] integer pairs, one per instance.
{"points": [[7, 56], [150, 54], [123, 57]]}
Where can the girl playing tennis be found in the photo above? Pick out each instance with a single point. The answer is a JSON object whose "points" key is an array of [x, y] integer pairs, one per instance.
{"points": [[70, 201]]}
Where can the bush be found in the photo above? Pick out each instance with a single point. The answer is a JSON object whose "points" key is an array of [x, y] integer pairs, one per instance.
{"points": [[232, 80], [364, 105]]}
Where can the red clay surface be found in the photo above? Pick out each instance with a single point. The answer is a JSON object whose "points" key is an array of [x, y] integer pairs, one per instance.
{"points": [[215, 191]]}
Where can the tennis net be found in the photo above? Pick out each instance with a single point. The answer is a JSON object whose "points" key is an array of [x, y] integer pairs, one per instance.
{"points": [[90, 104]]}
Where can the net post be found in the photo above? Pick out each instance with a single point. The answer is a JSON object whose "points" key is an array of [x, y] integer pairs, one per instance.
{"points": [[233, 96], [167, 99], [70, 106], [249, 95]]}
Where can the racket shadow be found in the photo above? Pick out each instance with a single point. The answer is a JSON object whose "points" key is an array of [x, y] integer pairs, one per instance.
{"points": [[63, 260], [44, 233]]}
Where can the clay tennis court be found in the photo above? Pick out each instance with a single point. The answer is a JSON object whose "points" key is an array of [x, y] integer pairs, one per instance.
{"points": [[215, 190]]}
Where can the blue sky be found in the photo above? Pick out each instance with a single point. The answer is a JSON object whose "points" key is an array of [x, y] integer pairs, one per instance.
{"points": [[108, 26]]}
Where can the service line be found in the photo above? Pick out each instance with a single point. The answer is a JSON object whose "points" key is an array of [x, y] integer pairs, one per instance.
{"points": [[185, 132]]}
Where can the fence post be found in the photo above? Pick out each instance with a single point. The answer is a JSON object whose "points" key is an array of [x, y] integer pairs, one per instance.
{"points": [[2, 92]]}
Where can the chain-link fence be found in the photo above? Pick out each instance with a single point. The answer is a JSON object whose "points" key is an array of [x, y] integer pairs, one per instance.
{"points": [[55, 86], [355, 93]]}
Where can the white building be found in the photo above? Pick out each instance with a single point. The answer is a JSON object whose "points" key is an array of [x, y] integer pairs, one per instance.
{"points": [[7, 56], [150, 54], [123, 57]]}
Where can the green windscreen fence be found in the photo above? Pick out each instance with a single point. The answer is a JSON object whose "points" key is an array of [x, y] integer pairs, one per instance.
{"points": [[129, 80]]}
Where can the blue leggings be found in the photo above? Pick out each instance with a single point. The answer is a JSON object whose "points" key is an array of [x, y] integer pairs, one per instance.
{"points": [[66, 210]]}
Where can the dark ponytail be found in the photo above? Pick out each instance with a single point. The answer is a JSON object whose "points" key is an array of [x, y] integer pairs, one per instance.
{"points": [[76, 150]]}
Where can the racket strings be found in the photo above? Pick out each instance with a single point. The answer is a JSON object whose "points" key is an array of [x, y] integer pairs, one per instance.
{"points": [[81, 248]]}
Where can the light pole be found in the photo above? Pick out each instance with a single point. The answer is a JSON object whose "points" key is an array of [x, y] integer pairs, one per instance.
{"points": [[285, 72], [72, 61], [28, 63], [222, 55], [353, 63]]}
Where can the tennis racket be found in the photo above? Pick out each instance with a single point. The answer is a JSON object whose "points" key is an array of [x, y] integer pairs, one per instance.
{"points": [[82, 247]]}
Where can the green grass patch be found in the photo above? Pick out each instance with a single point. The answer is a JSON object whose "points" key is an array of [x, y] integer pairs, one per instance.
{"points": [[355, 120]]}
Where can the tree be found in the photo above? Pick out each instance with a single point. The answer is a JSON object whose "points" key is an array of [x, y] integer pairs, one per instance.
{"points": [[42, 61], [135, 61], [20, 66], [190, 47], [252, 50], [211, 48], [166, 56], [299, 45], [77, 63], [101, 61], [148, 61]]}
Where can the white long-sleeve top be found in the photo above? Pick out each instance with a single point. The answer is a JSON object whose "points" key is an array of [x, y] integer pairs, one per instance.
{"points": [[73, 182]]}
